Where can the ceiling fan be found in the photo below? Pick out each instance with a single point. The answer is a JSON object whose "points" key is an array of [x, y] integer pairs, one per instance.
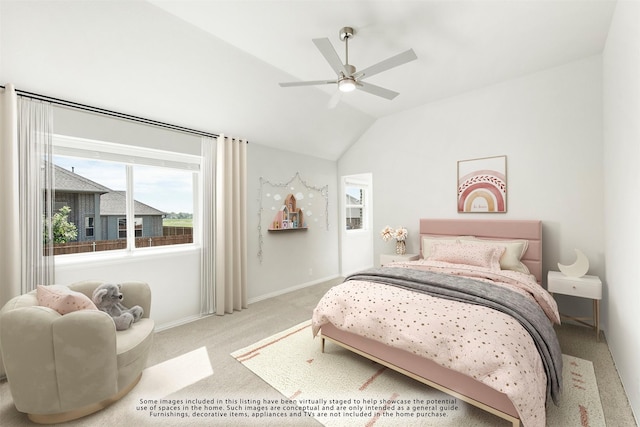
{"points": [[348, 78]]}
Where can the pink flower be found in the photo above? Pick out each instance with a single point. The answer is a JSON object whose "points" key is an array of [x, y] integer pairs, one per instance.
{"points": [[400, 234], [388, 233]]}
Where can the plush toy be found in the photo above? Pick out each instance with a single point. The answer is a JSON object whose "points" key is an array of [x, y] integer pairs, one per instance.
{"points": [[107, 297]]}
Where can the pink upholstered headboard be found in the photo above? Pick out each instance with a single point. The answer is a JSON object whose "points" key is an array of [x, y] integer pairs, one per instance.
{"points": [[530, 230]]}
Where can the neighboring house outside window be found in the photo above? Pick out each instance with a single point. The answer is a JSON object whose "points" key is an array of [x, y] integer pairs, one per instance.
{"points": [[80, 194], [86, 197], [113, 214], [99, 213]]}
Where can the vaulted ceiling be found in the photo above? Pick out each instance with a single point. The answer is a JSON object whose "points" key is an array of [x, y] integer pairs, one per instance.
{"points": [[461, 46], [215, 65]]}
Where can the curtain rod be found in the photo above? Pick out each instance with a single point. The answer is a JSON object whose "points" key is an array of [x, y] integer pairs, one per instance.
{"points": [[84, 107]]}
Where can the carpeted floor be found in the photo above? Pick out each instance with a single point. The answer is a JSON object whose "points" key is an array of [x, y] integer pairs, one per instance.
{"points": [[184, 357], [342, 389]]}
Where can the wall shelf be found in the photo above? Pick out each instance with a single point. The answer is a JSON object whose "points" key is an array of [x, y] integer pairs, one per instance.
{"points": [[289, 217]]}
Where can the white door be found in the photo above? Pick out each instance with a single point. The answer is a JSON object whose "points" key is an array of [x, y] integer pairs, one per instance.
{"points": [[356, 235]]}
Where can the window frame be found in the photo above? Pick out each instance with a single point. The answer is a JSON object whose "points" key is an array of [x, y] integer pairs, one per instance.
{"points": [[130, 156], [364, 188]]}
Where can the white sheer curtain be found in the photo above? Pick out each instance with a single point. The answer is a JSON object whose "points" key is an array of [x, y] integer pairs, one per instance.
{"points": [[207, 259], [9, 215], [224, 225], [35, 153], [26, 193]]}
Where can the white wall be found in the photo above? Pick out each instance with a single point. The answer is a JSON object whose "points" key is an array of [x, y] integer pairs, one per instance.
{"points": [[621, 60], [549, 125], [290, 259]]}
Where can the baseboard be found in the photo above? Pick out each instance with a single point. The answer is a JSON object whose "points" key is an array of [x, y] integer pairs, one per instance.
{"points": [[179, 322], [293, 288], [195, 317]]}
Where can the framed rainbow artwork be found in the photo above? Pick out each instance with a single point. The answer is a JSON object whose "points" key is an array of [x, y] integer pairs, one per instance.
{"points": [[482, 185]]}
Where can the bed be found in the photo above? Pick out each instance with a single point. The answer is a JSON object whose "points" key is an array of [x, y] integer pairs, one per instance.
{"points": [[444, 353]]}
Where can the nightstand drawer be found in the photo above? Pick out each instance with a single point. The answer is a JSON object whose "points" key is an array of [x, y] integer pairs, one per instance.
{"points": [[585, 286]]}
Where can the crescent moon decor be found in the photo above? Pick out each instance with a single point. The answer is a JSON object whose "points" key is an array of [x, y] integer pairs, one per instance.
{"points": [[578, 268]]}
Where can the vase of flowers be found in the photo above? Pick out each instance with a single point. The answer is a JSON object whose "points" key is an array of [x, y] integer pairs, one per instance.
{"points": [[400, 236]]}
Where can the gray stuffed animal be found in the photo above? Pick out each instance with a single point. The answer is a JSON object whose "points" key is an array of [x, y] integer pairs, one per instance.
{"points": [[107, 297]]}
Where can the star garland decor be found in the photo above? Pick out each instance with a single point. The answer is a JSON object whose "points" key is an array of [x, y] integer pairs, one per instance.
{"points": [[324, 192]]}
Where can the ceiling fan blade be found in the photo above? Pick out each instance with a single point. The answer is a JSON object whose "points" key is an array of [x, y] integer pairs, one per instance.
{"points": [[310, 83], [377, 90], [326, 49], [387, 64]]}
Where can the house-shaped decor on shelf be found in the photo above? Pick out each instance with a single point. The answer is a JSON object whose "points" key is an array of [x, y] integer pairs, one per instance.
{"points": [[289, 217]]}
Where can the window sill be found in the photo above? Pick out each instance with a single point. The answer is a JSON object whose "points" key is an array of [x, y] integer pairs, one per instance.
{"points": [[126, 255]]}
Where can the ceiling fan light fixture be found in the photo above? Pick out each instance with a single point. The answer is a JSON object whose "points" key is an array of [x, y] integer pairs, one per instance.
{"points": [[347, 85], [347, 78]]}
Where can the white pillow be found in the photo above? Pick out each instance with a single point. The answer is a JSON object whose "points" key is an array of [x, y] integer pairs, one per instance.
{"points": [[428, 241], [486, 256], [513, 253]]}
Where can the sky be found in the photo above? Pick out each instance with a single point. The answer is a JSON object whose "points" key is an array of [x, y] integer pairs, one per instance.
{"points": [[169, 190]]}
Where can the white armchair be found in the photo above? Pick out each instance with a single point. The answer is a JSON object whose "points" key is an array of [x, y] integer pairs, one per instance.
{"points": [[63, 367]]}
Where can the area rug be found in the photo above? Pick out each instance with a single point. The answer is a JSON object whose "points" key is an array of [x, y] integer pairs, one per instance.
{"points": [[340, 388]]}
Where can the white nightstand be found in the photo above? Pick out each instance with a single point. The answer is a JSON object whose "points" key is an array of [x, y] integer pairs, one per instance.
{"points": [[387, 258], [583, 287]]}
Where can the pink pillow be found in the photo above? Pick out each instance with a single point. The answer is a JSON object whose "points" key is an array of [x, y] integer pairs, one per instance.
{"points": [[487, 256], [62, 299]]}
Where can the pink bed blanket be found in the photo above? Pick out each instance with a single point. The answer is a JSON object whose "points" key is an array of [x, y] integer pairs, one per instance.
{"points": [[487, 345]]}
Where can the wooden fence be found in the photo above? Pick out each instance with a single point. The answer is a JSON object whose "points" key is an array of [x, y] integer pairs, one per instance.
{"points": [[110, 245], [176, 231]]}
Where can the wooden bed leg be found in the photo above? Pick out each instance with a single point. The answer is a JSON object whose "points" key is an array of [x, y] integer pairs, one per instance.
{"points": [[322, 344]]}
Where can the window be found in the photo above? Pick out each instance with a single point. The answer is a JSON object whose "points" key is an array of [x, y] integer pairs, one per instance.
{"points": [[88, 226], [122, 228], [169, 192], [137, 227], [355, 206], [115, 197]]}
